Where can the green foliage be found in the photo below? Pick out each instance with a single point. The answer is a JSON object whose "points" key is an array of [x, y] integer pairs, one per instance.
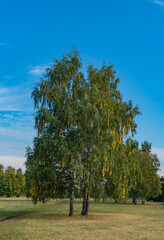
{"points": [[146, 147], [21, 182], [84, 143], [160, 197], [12, 182], [53, 163], [147, 182]]}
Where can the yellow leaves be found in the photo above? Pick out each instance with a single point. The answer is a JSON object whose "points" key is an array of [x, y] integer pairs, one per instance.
{"points": [[129, 126], [63, 84], [115, 134], [101, 106], [108, 122], [63, 161], [123, 193], [101, 140], [110, 173], [33, 189], [70, 74], [130, 122], [111, 112], [71, 124], [60, 132], [103, 172], [114, 143], [125, 131]]}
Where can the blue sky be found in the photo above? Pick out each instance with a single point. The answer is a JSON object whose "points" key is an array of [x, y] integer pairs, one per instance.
{"points": [[128, 34]]}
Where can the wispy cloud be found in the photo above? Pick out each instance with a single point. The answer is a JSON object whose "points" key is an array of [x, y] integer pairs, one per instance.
{"points": [[16, 124], [16, 133], [8, 77], [37, 70], [4, 90], [15, 98], [5, 44], [160, 3]]}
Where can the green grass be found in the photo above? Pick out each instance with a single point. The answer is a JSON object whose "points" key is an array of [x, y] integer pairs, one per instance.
{"points": [[14, 206], [105, 221]]}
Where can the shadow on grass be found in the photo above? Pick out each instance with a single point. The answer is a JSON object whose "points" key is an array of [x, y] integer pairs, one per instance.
{"points": [[14, 200], [35, 216]]}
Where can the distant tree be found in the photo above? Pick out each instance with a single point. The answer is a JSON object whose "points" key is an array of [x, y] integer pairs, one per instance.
{"points": [[20, 182], [147, 182], [10, 182], [160, 197]]}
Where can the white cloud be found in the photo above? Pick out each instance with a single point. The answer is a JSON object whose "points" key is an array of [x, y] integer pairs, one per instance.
{"points": [[160, 154], [161, 3], [37, 70], [13, 161]]}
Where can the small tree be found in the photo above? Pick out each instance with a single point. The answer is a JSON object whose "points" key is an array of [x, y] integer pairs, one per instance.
{"points": [[147, 180], [21, 182], [11, 186]]}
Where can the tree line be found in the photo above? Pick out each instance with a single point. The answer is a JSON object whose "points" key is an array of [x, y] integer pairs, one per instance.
{"points": [[85, 142], [12, 182]]}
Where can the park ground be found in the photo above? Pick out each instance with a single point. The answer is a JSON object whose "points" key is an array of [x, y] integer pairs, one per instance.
{"points": [[105, 221]]}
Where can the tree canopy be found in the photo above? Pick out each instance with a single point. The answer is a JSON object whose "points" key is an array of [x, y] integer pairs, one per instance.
{"points": [[84, 144]]}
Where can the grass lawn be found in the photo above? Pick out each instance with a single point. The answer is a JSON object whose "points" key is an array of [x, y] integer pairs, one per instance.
{"points": [[105, 221]]}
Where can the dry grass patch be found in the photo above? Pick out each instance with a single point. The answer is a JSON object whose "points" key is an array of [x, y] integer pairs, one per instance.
{"points": [[106, 221]]}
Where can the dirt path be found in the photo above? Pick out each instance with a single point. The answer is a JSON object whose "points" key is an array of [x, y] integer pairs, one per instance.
{"points": [[35, 210]]}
